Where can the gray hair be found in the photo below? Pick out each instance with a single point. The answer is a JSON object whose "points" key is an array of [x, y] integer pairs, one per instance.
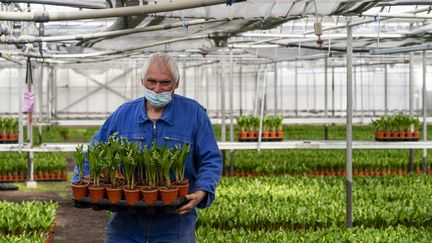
{"points": [[162, 59]]}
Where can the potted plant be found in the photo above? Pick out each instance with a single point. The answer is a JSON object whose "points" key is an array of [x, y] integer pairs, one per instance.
{"points": [[179, 166], [267, 125], [379, 128], [79, 188], [95, 155], [3, 129], [13, 129], [112, 160], [415, 127], [128, 154], [150, 192], [164, 160], [242, 127], [279, 127]]}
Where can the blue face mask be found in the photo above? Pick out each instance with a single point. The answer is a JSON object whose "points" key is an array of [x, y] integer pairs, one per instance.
{"points": [[157, 100]]}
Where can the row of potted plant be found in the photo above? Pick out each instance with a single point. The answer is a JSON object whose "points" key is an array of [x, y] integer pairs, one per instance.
{"points": [[8, 129], [397, 127], [47, 166], [309, 161], [119, 168], [21, 222], [248, 127]]}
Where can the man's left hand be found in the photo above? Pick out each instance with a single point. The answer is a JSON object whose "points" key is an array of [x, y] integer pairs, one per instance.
{"points": [[193, 198]]}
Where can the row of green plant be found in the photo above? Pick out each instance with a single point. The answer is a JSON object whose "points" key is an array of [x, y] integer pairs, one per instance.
{"points": [[8, 125], [397, 234], [252, 123], [397, 123], [153, 164], [294, 203], [307, 161], [27, 238], [16, 163], [26, 219]]}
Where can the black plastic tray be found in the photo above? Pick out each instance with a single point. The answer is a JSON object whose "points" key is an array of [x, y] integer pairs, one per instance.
{"points": [[9, 141], [396, 139], [122, 205], [262, 139]]}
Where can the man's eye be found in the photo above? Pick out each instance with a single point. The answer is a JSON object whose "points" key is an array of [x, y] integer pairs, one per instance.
{"points": [[151, 81]]}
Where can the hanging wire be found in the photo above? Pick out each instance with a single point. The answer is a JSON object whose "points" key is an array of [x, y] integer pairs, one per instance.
{"points": [[377, 18]]}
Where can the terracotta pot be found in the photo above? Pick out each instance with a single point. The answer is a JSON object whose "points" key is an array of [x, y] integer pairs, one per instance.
{"points": [[409, 134], [168, 195], [183, 190], [280, 134], [150, 194], [132, 196], [13, 136], [266, 134], [79, 190], [251, 135], [416, 134], [387, 134], [273, 134], [395, 134], [402, 134], [96, 193], [379, 134], [4, 136], [243, 134], [114, 194]]}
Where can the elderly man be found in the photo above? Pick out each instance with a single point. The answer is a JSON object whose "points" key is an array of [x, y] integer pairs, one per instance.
{"points": [[171, 119]]}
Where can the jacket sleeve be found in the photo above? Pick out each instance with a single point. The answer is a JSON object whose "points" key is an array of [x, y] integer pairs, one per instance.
{"points": [[209, 159], [101, 135]]}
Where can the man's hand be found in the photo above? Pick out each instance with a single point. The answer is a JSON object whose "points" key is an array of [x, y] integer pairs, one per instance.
{"points": [[193, 198]]}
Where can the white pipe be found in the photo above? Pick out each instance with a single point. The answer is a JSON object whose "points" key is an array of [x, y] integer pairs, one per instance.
{"points": [[45, 16], [400, 15], [74, 3], [10, 39], [103, 53]]}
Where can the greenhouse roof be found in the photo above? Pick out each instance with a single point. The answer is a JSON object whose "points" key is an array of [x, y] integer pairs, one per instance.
{"points": [[270, 30]]}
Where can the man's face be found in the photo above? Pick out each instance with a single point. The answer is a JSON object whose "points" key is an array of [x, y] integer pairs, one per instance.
{"points": [[158, 79]]}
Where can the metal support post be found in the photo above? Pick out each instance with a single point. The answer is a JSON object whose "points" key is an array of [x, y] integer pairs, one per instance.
{"points": [[295, 90], [222, 88], [411, 104], [385, 90], [425, 165], [349, 129], [333, 92], [325, 98], [275, 89]]}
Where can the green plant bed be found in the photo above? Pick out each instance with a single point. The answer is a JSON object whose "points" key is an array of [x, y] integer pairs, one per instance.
{"points": [[26, 219], [310, 203], [330, 234]]}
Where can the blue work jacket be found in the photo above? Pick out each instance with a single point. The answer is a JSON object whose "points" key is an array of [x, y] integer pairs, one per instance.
{"points": [[183, 121]]}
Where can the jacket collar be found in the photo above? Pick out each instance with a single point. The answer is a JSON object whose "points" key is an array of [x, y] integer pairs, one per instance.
{"points": [[167, 114]]}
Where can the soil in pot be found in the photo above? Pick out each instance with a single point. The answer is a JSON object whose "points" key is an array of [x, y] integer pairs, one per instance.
{"points": [[79, 189], [168, 194]]}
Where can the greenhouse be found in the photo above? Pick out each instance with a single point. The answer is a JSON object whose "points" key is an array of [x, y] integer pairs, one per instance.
{"points": [[269, 121]]}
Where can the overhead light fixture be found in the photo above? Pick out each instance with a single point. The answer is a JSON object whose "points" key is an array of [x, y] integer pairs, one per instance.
{"points": [[422, 47]]}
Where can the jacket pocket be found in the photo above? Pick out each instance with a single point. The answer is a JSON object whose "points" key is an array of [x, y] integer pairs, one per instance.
{"points": [[172, 139]]}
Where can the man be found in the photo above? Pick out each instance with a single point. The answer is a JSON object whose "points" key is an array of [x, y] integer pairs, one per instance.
{"points": [[170, 119]]}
